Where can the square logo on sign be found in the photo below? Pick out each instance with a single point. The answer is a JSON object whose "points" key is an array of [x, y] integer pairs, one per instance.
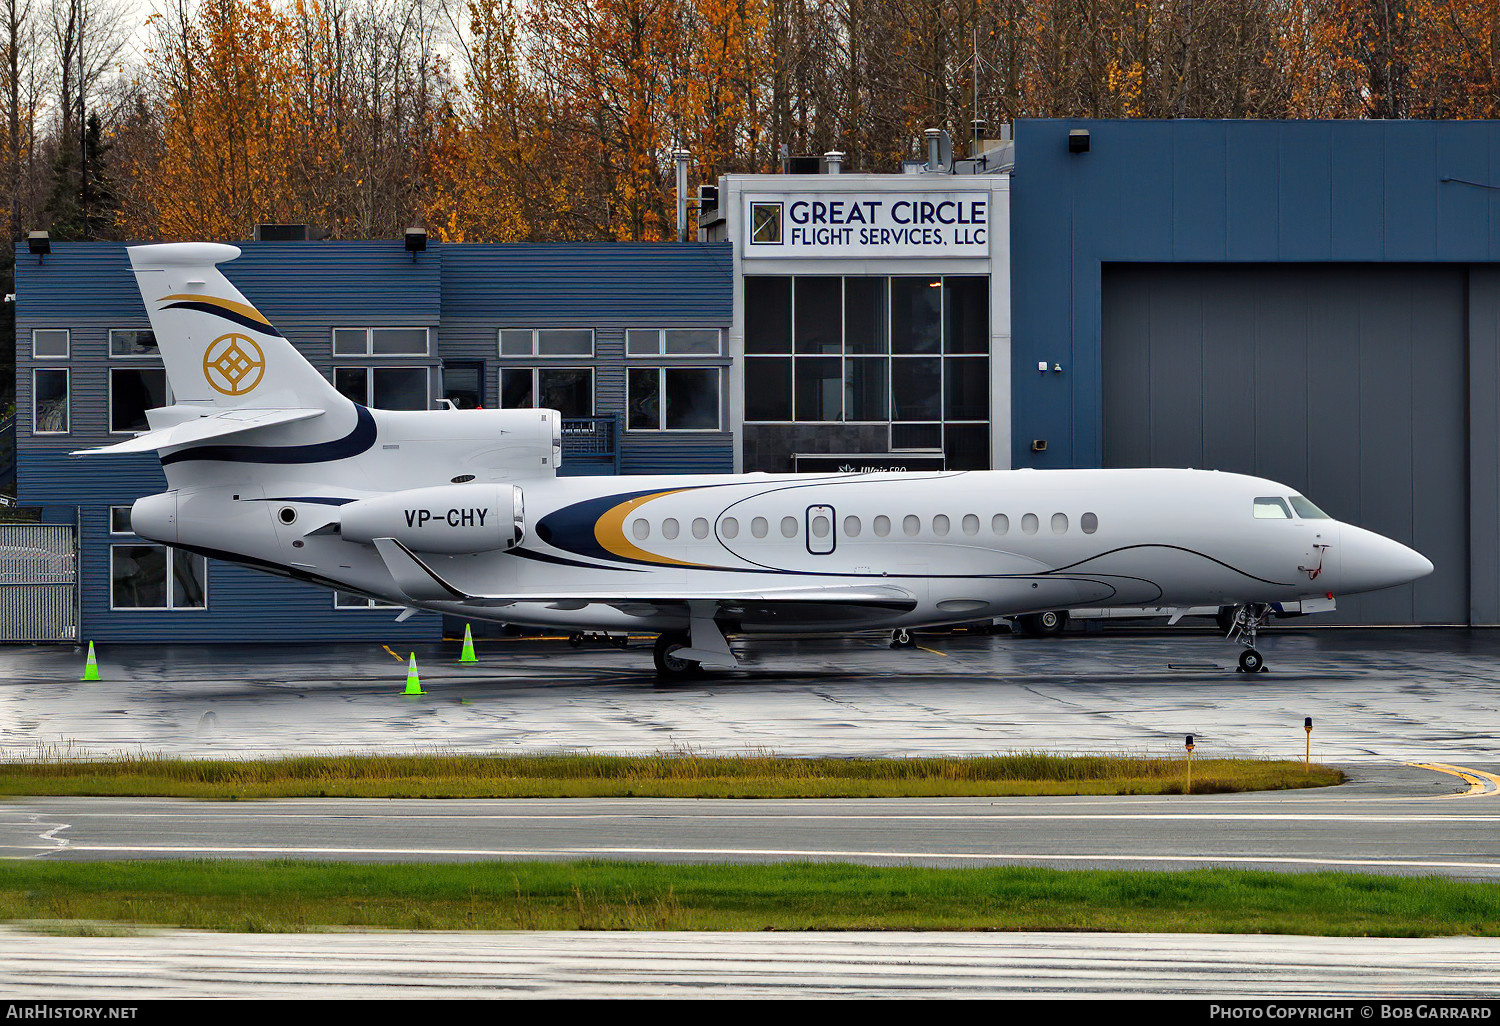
{"points": [[765, 224]]}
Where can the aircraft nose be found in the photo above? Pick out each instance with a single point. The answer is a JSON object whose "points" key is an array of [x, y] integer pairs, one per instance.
{"points": [[1370, 561]]}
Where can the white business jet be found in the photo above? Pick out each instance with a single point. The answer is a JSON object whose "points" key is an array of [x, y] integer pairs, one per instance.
{"points": [[462, 512]]}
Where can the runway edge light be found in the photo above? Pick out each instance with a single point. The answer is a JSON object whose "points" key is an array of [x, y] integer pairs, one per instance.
{"points": [[91, 665], [1189, 746], [413, 682], [468, 655], [1307, 755]]}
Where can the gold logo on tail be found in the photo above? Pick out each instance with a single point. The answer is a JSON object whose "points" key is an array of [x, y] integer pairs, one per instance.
{"points": [[233, 364]]}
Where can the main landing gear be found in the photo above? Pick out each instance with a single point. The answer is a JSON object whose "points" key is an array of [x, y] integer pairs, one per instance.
{"points": [[1246, 621], [682, 654]]}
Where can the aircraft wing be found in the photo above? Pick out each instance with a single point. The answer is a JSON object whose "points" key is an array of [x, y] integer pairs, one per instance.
{"points": [[230, 422], [423, 584]]}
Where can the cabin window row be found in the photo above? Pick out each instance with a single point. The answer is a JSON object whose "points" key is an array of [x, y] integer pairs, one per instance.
{"points": [[970, 525]]}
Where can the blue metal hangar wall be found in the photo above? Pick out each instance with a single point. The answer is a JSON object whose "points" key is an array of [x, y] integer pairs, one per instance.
{"points": [[626, 339], [1313, 302]]}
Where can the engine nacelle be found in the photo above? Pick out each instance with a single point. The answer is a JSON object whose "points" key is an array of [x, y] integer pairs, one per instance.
{"points": [[448, 519]]}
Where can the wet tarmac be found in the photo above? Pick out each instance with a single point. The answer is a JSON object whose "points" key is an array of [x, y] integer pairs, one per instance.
{"points": [[1379, 695]]}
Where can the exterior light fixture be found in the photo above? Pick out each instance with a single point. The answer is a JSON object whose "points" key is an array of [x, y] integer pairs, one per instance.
{"points": [[416, 240], [40, 244], [1078, 140]]}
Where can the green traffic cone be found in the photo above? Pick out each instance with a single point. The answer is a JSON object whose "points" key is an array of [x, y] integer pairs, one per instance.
{"points": [[468, 655], [413, 682], [91, 667]]}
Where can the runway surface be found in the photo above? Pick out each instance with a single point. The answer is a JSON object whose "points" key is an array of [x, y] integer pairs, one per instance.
{"points": [[1378, 695], [1391, 820], [771, 965]]}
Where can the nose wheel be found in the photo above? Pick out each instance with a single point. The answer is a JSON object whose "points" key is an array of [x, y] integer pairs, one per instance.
{"points": [[1247, 621], [903, 638]]}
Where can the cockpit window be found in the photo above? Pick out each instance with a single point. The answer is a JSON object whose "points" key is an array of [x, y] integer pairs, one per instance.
{"points": [[1306, 510], [1271, 508]]}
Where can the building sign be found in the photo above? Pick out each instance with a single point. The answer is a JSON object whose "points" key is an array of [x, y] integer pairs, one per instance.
{"points": [[849, 224], [867, 462]]}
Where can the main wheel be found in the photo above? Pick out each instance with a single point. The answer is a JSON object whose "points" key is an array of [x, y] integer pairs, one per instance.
{"points": [[1043, 624], [1251, 661], [1226, 617], [668, 666]]}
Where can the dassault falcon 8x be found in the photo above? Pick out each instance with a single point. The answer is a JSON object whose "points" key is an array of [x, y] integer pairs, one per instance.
{"points": [[463, 512]]}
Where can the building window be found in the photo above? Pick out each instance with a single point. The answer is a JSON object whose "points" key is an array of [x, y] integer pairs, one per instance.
{"points": [[349, 600], [673, 342], [49, 402], [385, 388], [911, 351], [564, 342], [133, 391], [119, 520], [50, 343], [156, 577], [380, 341], [672, 398], [568, 390], [130, 343]]}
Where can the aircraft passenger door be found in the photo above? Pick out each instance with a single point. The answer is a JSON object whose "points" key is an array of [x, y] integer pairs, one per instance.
{"points": [[820, 536]]}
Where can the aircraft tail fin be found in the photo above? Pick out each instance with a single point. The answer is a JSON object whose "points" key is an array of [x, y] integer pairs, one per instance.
{"points": [[219, 350]]}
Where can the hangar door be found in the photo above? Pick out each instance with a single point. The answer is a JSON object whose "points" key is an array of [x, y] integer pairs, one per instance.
{"points": [[1347, 382]]}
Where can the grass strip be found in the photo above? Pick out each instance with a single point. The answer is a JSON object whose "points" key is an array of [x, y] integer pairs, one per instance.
{"points": [[287, 896], [671, 775]]}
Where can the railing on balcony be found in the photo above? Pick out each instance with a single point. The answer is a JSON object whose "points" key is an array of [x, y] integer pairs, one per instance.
{"points": [[591, 441]]}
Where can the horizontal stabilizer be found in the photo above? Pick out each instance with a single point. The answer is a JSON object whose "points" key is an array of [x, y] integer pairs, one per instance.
{"points": [[201, 429], [423, 584]]}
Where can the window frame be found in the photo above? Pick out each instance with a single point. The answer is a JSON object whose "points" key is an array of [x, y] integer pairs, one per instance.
{"points": [[369, 370], [536, 387], [67, 344], [170, 607], [129, 533], [68, 394], [536, 353], [131, 356], [661, 407], [109, 398], [369, 351], [369, 603], [660, 352]]}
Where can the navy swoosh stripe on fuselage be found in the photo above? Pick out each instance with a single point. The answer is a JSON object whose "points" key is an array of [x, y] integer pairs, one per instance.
{"points": [[228, 315], [357, 441]]}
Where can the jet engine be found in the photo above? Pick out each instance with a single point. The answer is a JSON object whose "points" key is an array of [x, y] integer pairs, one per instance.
{"points": [[448, 519]]}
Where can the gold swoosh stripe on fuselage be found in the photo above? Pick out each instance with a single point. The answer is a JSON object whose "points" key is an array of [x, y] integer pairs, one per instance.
{"points": [[609, 531], [243, 309]]}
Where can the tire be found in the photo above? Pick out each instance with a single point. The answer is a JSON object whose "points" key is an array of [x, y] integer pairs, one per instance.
{"points": [[575, 640], [668, 667], [1226, 617], [1045, 624], [1252, 661], [903, 638]]}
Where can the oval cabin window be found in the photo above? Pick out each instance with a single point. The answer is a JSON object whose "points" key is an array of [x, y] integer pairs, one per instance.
{"points": [[789, 527], [760, 527], [1029, 524], [1059, 523], [669, 529], [641, 529], [882, 526], [820, 527], [911, 525], [730, 527], [971, 524], [940, 526], [1089, 522], [852, 527], [1000, 523], [700, 528]]}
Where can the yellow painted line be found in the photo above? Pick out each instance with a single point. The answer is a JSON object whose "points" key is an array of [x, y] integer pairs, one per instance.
{"points": [[1481, 784], [934, 651], [393, 655]]}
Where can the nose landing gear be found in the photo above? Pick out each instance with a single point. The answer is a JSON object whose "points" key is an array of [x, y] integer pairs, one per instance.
{"points": [[1247, 620]]}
